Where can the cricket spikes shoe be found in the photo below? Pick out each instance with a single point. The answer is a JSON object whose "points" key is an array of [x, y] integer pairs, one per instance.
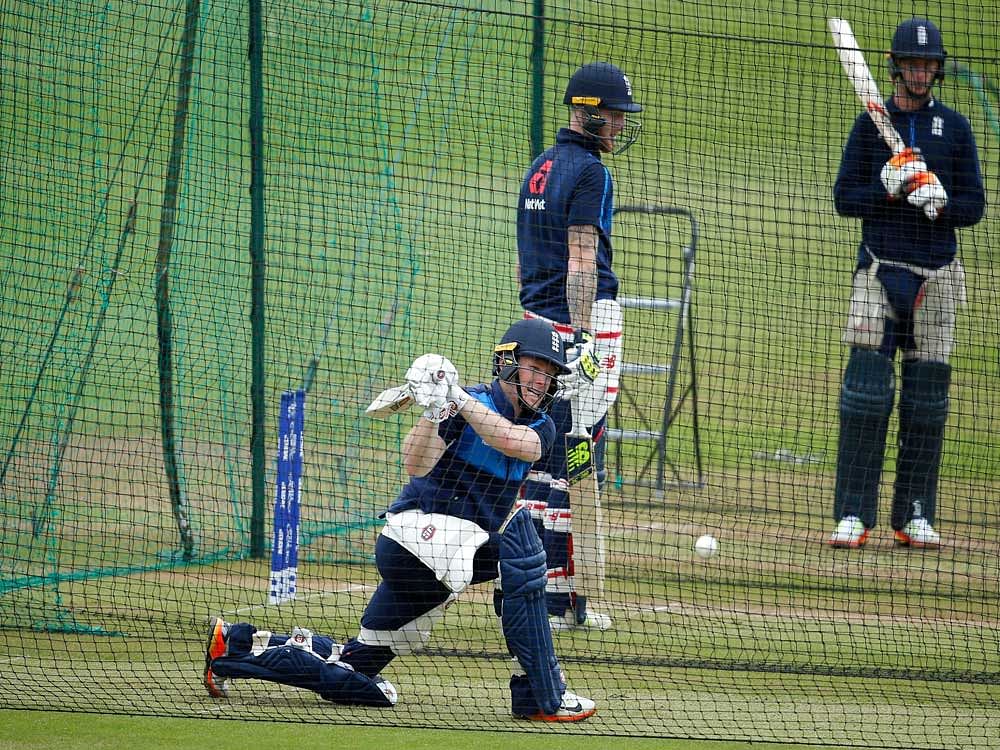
{"points": [[573, 707], [218, 645], [387, 688], [591, 621], [918, 533], [850, 532], [301, 638]]}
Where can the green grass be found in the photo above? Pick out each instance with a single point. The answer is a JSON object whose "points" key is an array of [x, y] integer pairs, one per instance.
{"points": [[88, 732]]}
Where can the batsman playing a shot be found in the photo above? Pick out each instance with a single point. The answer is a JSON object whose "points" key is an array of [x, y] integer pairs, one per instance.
{"points": [[566, 278], [454, 524], [907, 285]]}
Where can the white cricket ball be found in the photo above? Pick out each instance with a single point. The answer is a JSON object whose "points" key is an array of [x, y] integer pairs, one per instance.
{"points": [[706, 546]]}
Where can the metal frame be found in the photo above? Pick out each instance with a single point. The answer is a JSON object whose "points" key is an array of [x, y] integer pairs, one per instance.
{"points": [[685, 323]]}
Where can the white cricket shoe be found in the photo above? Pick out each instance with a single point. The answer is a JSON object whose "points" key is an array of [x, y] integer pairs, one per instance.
{"points": [[572, 708], [301, 638], [387, 688], [591, 621], [850, 532], [918, 533]]}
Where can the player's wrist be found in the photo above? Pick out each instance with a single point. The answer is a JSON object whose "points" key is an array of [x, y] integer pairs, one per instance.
{"points": [[459, 397]]}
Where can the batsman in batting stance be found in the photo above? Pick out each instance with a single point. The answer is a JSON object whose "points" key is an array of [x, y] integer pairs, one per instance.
{"points": [[454, 524], [907, 285], [566, 279]]}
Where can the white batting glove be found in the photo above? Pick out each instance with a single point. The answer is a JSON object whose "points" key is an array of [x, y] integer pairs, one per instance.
{"points": [[429, 379], [457, 396], [583, 364], [441, 409], [569, 386], [926, 191], [900, 169]]}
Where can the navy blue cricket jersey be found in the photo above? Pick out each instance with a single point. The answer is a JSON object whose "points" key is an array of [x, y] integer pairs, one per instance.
{"points": [[567, 185], [894, 229], [472, 480]]}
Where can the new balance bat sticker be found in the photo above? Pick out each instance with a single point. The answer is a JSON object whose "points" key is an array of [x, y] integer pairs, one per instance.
{"points": [[857, 70], [390, 401], [587, 554]]}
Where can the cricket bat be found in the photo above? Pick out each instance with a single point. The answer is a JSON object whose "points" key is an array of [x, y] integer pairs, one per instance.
{"points": [[857, 71], [390, 401], [588, 547]]}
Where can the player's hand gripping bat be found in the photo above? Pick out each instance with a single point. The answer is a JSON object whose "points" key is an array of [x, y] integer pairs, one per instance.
{"points": [[428, 384], [864, 84]]}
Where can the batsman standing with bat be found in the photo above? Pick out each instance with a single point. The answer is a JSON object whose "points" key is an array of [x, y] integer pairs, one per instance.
{"points": [[907, 286], [566, 278], [454, 524]]}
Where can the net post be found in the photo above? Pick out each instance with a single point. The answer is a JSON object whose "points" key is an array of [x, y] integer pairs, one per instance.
{"points": [[257, 282]]}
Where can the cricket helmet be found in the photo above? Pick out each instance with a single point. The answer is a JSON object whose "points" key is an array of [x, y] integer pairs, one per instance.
{"points": [[917, 38], [529, 337], [601, 85]]}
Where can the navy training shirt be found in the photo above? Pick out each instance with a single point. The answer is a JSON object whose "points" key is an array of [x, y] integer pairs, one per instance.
{"points": [[894, 229], [567, 185], [472, 480]]}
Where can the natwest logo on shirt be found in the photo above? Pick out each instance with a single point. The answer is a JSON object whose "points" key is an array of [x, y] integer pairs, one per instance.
{"points": [[534, 204]]}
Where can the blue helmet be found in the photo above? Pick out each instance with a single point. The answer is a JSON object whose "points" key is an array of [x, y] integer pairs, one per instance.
{"points": [[601, 84], [531, 337], [916, 38]]}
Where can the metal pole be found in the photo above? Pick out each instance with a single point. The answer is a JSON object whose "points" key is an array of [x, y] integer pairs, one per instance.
{"points": [[258, 269], [537, 78]]}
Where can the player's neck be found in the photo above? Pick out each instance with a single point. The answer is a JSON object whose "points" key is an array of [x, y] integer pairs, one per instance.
{"points": [[908, 103]]}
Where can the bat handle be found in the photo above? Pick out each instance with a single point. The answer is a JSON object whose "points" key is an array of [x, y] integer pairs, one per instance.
{"points": [[577, 430]]}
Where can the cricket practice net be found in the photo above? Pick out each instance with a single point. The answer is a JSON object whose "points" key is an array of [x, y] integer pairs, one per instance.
{"points": [[224, 223]]}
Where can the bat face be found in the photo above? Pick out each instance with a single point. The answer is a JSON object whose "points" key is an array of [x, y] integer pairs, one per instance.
{"points": [[579, 458], [587, 561], [390, 401], [853, 60], [877, 107]]}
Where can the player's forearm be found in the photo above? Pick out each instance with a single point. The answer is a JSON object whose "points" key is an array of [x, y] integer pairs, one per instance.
{"points": [[581, 274], [516, 441], [422, 448], [965, 209], [967, 200]]}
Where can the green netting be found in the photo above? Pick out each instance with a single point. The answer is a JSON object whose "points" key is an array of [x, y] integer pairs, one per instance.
{"points": [[395, 138]]}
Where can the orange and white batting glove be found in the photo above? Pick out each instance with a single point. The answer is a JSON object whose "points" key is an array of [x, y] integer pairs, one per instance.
{"points": [[901, 169], [926, 191]]}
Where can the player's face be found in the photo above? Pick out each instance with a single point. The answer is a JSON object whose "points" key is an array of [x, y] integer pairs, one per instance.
{"points": [[614, 124], [918, 74], [535, 376]]}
